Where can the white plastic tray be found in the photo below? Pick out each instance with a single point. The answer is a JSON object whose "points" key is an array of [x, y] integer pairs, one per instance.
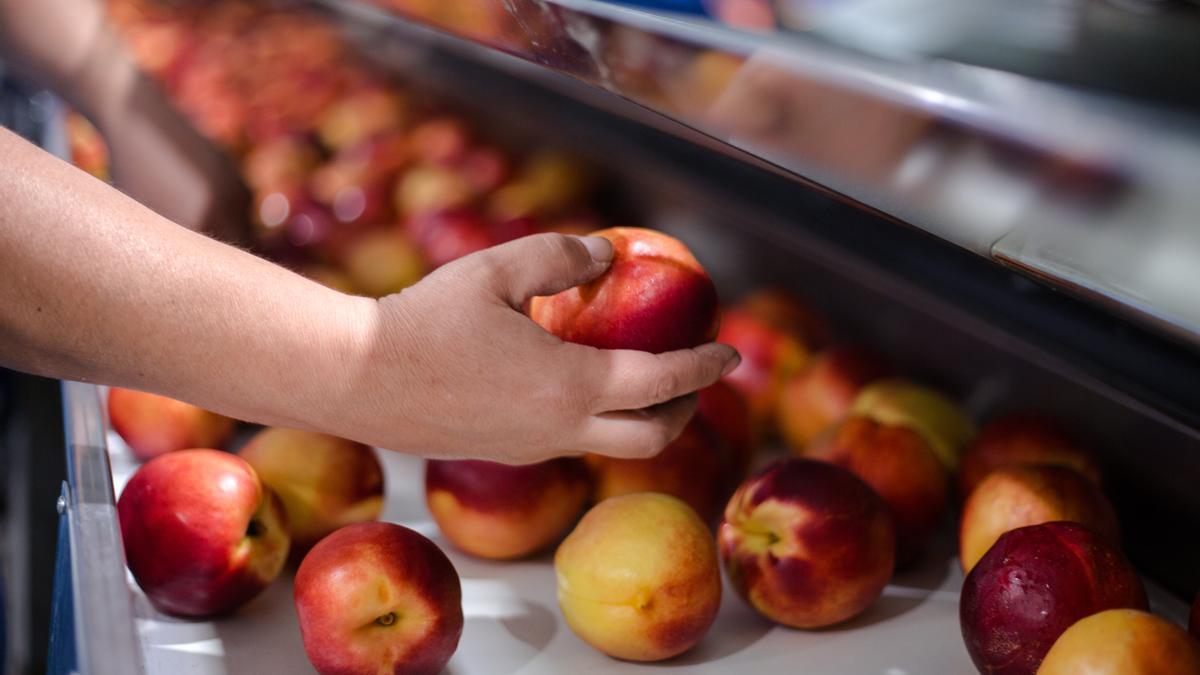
{"points": [[513, 623]]}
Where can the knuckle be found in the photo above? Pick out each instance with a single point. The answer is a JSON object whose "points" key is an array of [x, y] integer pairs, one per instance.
{"points": [[665, 386]]}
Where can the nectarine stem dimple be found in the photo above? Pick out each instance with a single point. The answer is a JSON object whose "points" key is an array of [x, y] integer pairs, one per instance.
{"points": [[387, 619]]}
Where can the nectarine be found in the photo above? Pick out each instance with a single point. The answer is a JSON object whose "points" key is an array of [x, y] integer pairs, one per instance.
{"points": [[324, 482], [638, 577], [822, 392], [1122, 642], [769, 357], [1027, 495], [902, 467], [654, 297], [494, 510], [942, 422], [702, 466], [202, 533], [1022, 438], [378, 598], [1032, 585], [807, 543], [153, 425]]}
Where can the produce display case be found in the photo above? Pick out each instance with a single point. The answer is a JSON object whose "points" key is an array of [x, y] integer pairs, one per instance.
{"points": [[1029, 189], [512, 620]]}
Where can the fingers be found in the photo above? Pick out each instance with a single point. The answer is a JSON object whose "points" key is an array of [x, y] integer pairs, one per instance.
{"points": [[637, 434], [541, 264], [632, 380]]}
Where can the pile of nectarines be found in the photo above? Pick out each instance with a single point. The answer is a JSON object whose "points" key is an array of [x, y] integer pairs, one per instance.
{"points": [[358, 181]]}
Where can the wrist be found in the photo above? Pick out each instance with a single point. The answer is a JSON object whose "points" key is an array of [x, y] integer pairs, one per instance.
{"points": [[338, 359]]}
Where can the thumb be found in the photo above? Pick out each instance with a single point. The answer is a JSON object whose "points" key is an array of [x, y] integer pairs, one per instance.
{"points": [[544, 264]]}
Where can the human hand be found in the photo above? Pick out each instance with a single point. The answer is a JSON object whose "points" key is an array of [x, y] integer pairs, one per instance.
{"points": [[452, 368]]}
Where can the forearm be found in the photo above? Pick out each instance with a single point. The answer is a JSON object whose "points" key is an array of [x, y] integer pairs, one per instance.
{"points": [[93, 286]]}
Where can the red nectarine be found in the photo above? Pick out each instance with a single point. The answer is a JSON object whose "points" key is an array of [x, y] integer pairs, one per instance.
{"points": [[1032, 585], [654, 297], [807, 543]]}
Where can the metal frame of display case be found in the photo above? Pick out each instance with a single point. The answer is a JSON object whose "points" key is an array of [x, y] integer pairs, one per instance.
{"points": [[94, 631], [1083, 190]]}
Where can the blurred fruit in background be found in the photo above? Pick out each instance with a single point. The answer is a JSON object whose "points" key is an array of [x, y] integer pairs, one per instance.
{"points": [[1022, 438], [769, 358], [334, 152], [822, 393], [88, 150]]}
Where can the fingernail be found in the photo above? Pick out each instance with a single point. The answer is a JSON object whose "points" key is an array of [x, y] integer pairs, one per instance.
{"points": [[599, 248], [731, 364]]}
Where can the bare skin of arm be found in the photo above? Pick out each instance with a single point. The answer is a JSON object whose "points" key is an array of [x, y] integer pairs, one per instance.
{"points": [[96, 287], [157, 157]]}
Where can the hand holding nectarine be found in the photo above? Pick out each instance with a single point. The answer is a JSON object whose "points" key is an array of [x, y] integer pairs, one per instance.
{"points": [[451, 368]]}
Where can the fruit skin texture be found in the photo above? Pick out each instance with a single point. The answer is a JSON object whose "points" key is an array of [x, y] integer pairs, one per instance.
{"points": [[1032, 585], [821, 394], [942, 422], [354, 579], [899, 465], [324, 482], [807, 543], [499, 511], [702, 466], [655, 297], [1022, 438], [638, 577], [153, 425], [1123, 642], [1027, 495], [186, 520]]}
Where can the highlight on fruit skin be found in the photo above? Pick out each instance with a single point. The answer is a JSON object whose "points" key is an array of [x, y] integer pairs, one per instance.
{"points": [[1122, 642], [807, 544], [638, 577]]}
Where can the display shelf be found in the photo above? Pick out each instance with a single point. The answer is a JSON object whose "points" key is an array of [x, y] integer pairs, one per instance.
{"points": [[512, 620], [1090, 192]]}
